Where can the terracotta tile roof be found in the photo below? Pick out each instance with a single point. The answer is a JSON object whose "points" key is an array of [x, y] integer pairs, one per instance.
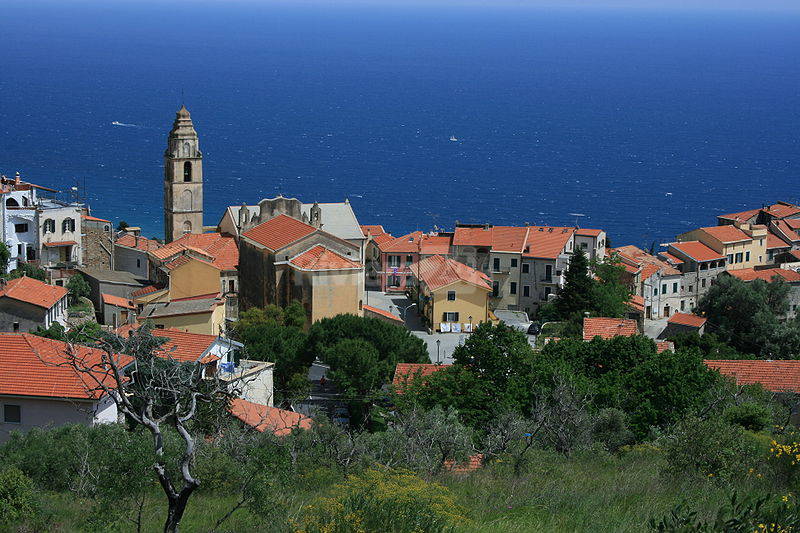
{"points": [[783, 227], [697, 251], [547, 242], [33, 291], [793, 223], [650, 264], [586, 232], [775, 242], [509, 239], [146, 290], [380, 240], [221, 250], [137, 243], [373, 230], [184, 259], [727, 234], [94, 219], [264, 418], [438, 271], [795, 254], [749, 274], [110, 299], [742, 216], [417, 242], [180, 345], [636, 302], [775, 376], [383, 313], [608, 328], [60, 243], [664, 346], [279, 232], [406, 373], [671, 259], [472, 236], [687, 319], [782, 210], [322, 258], [34, 366]]}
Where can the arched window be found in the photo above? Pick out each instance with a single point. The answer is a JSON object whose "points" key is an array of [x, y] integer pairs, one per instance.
{"points": [[187, 227], [186, 200], [49, 226], [67, 225], [187, 150], [11, 202], [187, 171]]}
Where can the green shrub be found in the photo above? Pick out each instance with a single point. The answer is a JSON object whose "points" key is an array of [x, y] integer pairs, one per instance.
{"points": [[711, 448], [752, 416], [17, 496], [610, 429], [383, 500]]}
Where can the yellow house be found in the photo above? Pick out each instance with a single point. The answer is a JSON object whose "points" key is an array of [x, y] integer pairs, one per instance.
{"points": [[450, 296], [204, 315], [744, 246], [189, 276]]}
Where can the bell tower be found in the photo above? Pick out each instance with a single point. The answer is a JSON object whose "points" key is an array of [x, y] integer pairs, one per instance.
{"points": [[183, 179]]}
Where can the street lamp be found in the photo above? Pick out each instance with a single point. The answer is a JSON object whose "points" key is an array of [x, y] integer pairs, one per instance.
{"points": [[438, 359], [470, 323], [405, 309]]}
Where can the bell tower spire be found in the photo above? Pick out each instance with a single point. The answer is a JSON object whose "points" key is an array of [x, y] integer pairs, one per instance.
{"points": [[183, 179]]}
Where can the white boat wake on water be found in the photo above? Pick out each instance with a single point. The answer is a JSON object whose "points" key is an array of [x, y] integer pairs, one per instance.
{"points": [[124, 125]]}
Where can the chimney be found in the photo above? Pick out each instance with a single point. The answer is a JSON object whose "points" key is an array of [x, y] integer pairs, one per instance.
{"points": [[136, 241], [17, 179]]}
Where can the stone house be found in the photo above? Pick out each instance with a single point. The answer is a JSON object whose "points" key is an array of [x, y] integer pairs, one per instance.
{"points": [[195, 314], [743, 245], [699, 266], [98, 242], [27, 303], [36, 391], [376, 236], [117, 311], [132, 253], [113, 282], [659, 283], [450, 296], [285, 259]]}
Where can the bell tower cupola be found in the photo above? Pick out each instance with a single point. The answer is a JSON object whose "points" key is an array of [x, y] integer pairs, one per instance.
{"points": [[183, 179]]}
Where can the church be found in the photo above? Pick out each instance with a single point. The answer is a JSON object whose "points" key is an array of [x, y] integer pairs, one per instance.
{"points": [[285, 250]]}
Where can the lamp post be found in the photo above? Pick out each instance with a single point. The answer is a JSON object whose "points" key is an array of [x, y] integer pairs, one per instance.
{"points": [[438, 359], [405, 310], [470, 323]]}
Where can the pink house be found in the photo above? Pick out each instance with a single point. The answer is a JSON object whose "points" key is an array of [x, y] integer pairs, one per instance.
{"points": [[399, 254]]}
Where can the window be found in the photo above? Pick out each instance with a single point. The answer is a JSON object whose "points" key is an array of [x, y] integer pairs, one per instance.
{"points": [[21, 228], [691, 288], [12, 414], [655, 291], [747, 255], [730, 258], [68, 224], [513, 263], [548, 272], [20, 249], [394, 261], [451, 296], [16, 327], [187, 171], [138, 263], [495, 288], [450, 317], [187, 227], [738, 257], [526, 290], [674, 288], [583, 246], [683, 305], [663, 288], [496, 264], [49, 226], [231, 285], [394, 281], [703, 283], [703, 266], [526, 268], [409, 259], [513, 287]]}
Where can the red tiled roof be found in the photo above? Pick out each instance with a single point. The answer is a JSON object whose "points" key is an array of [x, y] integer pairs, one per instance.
{"points": [[636, 302], [264, 418], [383, 313], [35, 366], [775, 376], [221, 250], [773, 242], [180, 345], [137, 243], [472, 236], [60, 243], [184, 259], [687, 319], [783, 227], [547, 242], [586, 232], [509, 239], [664, 346], [406, 373], [793, 223], [697, 251], [782, 209], [95, 219], [33, 291], [727, 234], [322, 258], [608, 328], [279, 232], [742, 216], [671, 259], [110, 299], [146, 290], [380, 240], [373, 230], [650, 264], [418, 242], [438, 271], [749, 274]]}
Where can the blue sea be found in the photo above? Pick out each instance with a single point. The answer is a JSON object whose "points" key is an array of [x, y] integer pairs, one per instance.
{"points": [[647, 123]]}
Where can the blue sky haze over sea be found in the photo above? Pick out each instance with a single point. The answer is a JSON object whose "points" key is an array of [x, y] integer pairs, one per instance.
{"points": [[648, 122]]}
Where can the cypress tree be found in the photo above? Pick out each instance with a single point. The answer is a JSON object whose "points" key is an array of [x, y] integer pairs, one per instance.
{"points": [[576, 295]]}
